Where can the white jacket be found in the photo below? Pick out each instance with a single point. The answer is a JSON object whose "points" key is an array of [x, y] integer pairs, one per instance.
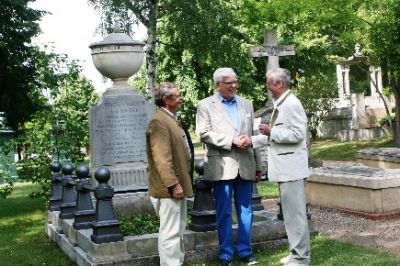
{"points": [[287, 151]]}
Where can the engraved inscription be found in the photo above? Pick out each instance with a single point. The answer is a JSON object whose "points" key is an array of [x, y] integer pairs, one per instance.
{"points": [[267, 50], [119, 132]]}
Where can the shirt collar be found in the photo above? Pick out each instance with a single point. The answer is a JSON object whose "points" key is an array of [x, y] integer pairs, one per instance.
{"points": [[280, 99], [175, 116], [224, 100]]}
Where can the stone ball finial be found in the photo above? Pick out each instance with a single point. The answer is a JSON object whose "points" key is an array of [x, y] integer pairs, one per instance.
{"points": [[55, 167], [67, 169], [82, 171], [199, 167], [102, 175]]}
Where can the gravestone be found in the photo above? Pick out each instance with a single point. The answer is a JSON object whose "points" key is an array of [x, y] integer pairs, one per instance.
{"points": [[370, 192], [271, 52], [117, 124], [356, 116], [117, 130], [385, 158]]}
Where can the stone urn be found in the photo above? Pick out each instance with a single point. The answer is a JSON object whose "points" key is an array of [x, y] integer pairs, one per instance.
{"points": [[118, 57]]}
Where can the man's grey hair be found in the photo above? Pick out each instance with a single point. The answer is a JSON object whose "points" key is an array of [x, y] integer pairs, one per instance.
{"points": [[164, 89], [222, 72], [280, 74]]}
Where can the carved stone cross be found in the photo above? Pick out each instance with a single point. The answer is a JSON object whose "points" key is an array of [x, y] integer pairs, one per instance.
{"points": [[271, 51]]}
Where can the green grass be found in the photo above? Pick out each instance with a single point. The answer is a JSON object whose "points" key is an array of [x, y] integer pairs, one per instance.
{"points": [[330, 149], [326, 252], [22, 237], [267, 189], [23, 241]]}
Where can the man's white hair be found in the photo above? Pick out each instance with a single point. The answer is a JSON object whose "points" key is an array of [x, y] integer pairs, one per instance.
{"points": [[222, 72]]}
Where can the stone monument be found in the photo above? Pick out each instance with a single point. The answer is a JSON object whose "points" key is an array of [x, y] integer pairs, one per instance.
{"points": [[118, 122], [356, 116]]}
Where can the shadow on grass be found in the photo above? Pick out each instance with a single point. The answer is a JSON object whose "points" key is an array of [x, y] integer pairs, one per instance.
{"points": [[15, 207]]}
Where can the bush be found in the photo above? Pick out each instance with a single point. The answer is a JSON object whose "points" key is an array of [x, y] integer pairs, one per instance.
{"points": [[139, 224], [6, 168], [386, 120], [59, 133]]}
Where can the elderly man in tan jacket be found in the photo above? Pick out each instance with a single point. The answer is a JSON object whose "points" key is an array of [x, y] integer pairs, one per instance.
{"points": [[169, 173]]}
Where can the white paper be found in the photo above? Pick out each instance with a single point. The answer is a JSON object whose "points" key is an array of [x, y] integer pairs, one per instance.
{"points": [[256, 123]]}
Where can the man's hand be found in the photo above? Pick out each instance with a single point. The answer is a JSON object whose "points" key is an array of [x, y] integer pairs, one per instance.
{"points": [[265, 129], [177, 191], [242, 141], [258, 176]]}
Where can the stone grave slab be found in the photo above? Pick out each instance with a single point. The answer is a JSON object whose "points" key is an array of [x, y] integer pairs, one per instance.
{"points": [[359, 189], [386, 158]]}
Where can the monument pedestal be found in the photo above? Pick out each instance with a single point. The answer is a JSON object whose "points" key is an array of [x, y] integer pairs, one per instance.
{"points": [[118, 140]]}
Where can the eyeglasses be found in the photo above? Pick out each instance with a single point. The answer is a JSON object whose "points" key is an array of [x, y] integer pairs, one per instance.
{"points": [[230, 83]]}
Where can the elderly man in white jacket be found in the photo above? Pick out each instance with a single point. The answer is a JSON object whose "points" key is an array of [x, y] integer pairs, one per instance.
{"points": [[288, 162]]}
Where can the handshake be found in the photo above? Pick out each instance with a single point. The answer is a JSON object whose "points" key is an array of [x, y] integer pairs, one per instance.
{"points": [[242, 141]]}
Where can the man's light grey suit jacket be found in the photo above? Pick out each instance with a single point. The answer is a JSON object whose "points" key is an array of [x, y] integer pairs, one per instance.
{"points": [[223, 161], [287, 151]]}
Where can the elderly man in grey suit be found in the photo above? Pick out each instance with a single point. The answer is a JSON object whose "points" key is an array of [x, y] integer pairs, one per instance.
{"points": [[224, 123], [288, 162]]}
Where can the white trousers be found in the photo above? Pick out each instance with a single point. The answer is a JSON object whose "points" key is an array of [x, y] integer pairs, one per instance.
{"points": [[172, 214]]}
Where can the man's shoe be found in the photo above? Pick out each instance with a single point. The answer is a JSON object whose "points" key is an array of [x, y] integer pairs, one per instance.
{"points": [[224, 263], [291, 263], [249, 260], [285, 260]]}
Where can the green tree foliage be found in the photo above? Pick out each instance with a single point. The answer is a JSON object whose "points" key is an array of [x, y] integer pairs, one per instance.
{"points": [[62, 129], [7, 147], [382, 24], [195, 38], [18, 75], [316, 94]]}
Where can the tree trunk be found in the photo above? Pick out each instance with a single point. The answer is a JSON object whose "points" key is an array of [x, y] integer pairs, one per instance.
{"points": [[395, 84], [151, 50]]}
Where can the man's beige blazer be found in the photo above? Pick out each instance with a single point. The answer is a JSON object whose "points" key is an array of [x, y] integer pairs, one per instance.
{"points": [[223, 161]]}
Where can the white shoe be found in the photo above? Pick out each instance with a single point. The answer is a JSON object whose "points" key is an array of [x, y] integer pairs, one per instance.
{"points": [[295, 264], [285, 260]]}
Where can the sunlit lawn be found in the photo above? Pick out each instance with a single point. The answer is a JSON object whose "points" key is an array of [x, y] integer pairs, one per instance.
{"points": [[331, 149], [23, 241], [22, 237]]}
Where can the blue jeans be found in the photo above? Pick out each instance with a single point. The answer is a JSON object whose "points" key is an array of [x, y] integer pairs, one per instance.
{"points": [[242, 191]]}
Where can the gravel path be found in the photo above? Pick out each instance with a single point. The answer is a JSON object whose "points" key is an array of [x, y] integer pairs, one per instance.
{"points": [[378, 234]]}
